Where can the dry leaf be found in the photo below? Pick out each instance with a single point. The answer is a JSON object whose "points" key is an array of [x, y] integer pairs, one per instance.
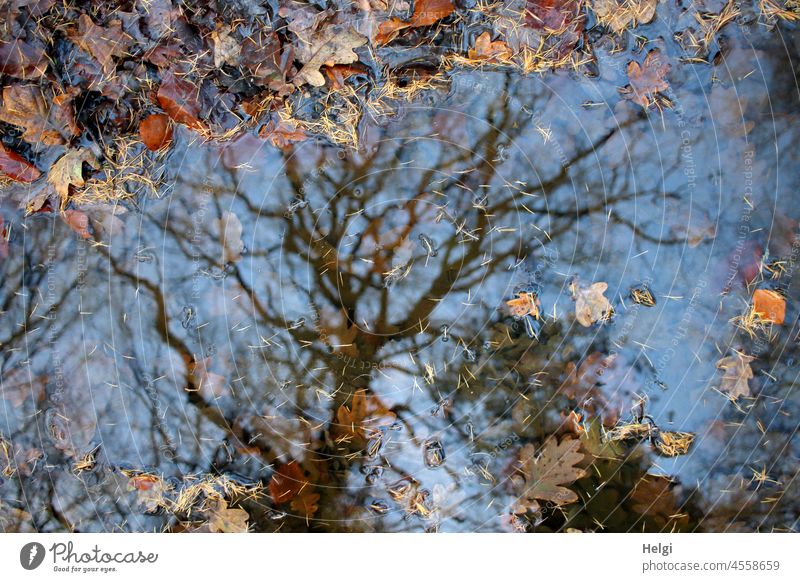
{"points": [[25, 107], [426, 12], [524, 304], [737, 374], [15, 167], [619, 15], [227, 49], [68, 170], [546, 473], [488, 50], [333, 45], [647, 79], [102, 42], [22, 60], [223, 519], [591, 305], [770, 306]]}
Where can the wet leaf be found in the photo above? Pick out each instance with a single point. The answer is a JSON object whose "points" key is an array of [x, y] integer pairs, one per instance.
{"points": [[230, 229], [333, 45], [591, 304], [282, 134], [224, 519], [209, 384], [360, 422], [25, 106], [15, 167], [261, 56], [68, 171], [546, 473], [286, 482], [102, 42], [648, 78], [78, 221], [524, 304], [770, 306], [227, 48], [179, 99], [22, 60], [620, 15], [426, 12], [155, 131], [488, 50], [306, 503], [151, 490], [737, 374]]}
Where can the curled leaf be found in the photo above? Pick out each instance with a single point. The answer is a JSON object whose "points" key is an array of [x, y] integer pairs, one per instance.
{"points": [[68, 171]]}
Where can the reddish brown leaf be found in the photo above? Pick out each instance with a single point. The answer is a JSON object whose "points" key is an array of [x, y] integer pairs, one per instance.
{"points": [[102, 42], [647, 79], [16, 167], [77, 221], [282, 134], [25, 106], [488, 50], [286, 482], [426, 12], [552, 15], [155, 131], [22, 60], [179, 98]]}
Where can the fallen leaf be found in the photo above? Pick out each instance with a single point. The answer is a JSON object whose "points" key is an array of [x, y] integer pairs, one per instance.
{"points": [[15, 167], [524, 304], [591, 305], [22, 60], [282, 134], [68, 170], [25, 107], [286, 482], [224, 519], [647, 79], [333, 45], [620, 15], [306, 503], [488, 50], [102, 42], [547, 472], [155, 131], [209, 384], [360, 422], [426, 12], [179, 99], [770, 306], [227, 49], [261, 56], [737, 374], [230, 229], [150, 490], [78, 221]]}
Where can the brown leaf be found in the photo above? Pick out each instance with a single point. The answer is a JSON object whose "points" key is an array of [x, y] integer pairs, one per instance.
{"points": [[770, 306], [619, 15], [306, 503], [230, 229], [16, 167], [22, 60], [179, 98], [68, 170], [333, 45], [524, 304], [286, 482], [78, 221], [102, 42], [591, 305], [223, 519], [209, 384], [737, 374], [282, 134], [488, 50], [261, 56], [360, 422], [155, 131], [227, 49], [426, 12], [150, 490], [25, 107], [546, 473], [647, 79]]}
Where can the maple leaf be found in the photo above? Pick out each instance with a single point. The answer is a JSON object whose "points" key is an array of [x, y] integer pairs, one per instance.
{"points": [[545, 474], [737, 374], [359, 423], [426, 12], [770, 306], [102, 42], [621, 14], [488, 50], [591, 305], [333, 45], [16, 167], [25, 107], [647, 79], [68, 170], [224, 519]]}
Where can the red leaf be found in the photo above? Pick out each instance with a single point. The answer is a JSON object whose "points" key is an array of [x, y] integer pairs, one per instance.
{"points": [[286, 482], [77, 221], [179, 99], [155, 131], [16, 167]]}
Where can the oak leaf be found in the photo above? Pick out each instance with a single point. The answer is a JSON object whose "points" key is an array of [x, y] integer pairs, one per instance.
{"points": [[224, 519], [68, 170], [227, 49], [547, 472], [737, 374], [360, 422], [25, 107], [306, 503], [488, 50], [648, 78], [591, 304], [102, 42], [286, 482], [619, 15], [524, 304], [333, 45]]}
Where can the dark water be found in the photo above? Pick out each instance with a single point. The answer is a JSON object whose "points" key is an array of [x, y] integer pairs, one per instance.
{"points": [[502, 184]]}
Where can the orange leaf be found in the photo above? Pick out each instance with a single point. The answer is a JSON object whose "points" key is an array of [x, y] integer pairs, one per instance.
{"points": [[16, 167], [155, 131], [770, 306], [426, 12], [525, 304]]}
